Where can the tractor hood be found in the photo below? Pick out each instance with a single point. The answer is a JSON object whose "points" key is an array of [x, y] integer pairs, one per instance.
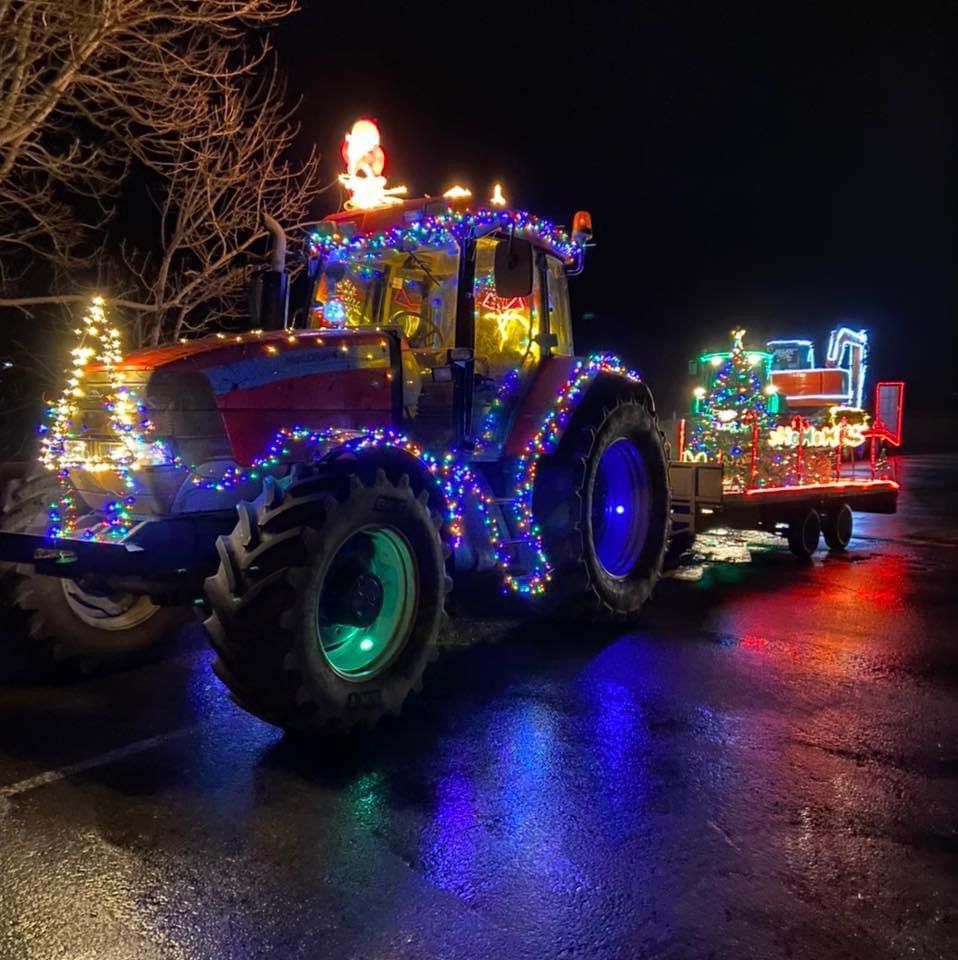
{"points": [[229, 395]]}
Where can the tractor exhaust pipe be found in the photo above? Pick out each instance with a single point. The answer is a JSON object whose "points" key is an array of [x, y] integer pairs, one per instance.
{"points": [[270, 300], [277, 257]]}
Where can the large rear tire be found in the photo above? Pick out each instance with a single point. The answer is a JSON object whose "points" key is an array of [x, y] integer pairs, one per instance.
{"points": [[328, 600], [603, 507], [67, 625]]}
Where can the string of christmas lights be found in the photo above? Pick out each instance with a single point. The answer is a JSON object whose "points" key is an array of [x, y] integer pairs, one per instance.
{"points": [[729, 415], [61, 450], [437, 229], [543, 442], [734, 423], [462, 488]]}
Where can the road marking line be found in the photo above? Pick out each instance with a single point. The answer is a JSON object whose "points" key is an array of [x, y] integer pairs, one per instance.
{"points": [[120, 753]]}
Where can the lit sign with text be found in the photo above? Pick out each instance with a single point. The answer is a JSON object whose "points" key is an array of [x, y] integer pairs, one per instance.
{"points": [[839, 435]]}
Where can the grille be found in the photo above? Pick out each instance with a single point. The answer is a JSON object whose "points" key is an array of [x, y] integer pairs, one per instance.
{"points": [[93, 417]]}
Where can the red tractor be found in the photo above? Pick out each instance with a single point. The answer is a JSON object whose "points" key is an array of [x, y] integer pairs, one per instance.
{"points": [[319, 481]]}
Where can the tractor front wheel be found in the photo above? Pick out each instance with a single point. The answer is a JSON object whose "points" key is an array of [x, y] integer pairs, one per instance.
{"points": [[328, 600]]}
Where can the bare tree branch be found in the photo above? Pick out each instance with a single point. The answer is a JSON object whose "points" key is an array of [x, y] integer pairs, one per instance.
{"points": [[180, 87]]}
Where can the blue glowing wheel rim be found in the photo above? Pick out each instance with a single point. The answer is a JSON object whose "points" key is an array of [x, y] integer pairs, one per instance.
{"points": [[620, 508]]}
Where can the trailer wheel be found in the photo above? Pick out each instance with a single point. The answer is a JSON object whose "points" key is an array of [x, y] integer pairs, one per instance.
{"points": [[804, 533], [837, 525], [328, 600], [607, 531], [67, 625]]}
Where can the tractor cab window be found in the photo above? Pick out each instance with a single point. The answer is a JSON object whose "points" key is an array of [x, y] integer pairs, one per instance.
{"points": [[413, 291], [505, 327]]}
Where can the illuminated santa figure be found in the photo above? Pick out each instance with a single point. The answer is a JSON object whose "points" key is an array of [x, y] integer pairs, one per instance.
{"points": [[365, 162]]}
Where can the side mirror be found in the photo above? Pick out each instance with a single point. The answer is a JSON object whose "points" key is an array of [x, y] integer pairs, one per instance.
{"points": [[513, 268]]}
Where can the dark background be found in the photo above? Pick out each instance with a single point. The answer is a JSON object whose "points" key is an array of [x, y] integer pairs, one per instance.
{"points": [[785, 167]]}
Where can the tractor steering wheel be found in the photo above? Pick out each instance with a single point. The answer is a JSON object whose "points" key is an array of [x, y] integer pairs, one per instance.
{"points": [[421, 333]]}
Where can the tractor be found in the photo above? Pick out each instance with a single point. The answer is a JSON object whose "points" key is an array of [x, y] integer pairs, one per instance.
{"points": [[317, 483]]}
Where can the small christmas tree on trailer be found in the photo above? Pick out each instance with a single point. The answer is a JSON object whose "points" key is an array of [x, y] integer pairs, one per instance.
{"points": [[729, 415]]}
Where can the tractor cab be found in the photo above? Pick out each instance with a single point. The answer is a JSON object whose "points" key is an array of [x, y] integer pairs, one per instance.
{"points": [[474, 296]]}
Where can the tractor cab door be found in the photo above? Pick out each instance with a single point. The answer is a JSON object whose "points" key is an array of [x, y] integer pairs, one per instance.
{"points": [[505, 327], [512, 336], [507, 345], [556, 284]]}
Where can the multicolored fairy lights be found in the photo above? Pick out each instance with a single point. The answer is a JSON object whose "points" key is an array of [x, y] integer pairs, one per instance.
{"points": [[544, 441], [61, 450], [462, 488], [508, 522], [730, 413], [459, 484], [438, 229], [761, 451]]}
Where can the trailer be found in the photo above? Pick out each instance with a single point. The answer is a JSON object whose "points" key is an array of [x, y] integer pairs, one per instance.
{"points": [[799, 463], [801, 514]]}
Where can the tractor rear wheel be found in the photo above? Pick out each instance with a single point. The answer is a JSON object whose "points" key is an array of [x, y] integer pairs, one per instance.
{"points": [[604, 505], [69, 626], [328, 600]]}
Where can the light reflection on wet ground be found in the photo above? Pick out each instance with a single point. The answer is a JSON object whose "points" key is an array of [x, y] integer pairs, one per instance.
{"points": [[765, 764]]}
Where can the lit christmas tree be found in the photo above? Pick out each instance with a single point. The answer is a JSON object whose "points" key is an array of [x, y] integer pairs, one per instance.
{"points": [[729, 414], [65, 446]]}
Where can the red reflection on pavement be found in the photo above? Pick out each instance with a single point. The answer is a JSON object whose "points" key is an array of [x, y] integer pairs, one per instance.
{"points": [[825, 615]]}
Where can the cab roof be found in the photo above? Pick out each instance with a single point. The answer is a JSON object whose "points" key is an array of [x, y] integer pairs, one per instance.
{"points": [[417, 218]]}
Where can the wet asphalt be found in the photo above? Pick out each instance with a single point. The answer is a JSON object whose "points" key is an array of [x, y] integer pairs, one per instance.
{"points": [[764, 765]]}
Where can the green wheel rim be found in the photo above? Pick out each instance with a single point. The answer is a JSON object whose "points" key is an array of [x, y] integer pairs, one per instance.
{"points": [[367, 603]]}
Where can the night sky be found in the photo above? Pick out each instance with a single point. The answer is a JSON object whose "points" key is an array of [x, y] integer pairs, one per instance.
{"points": [[785, 168]]}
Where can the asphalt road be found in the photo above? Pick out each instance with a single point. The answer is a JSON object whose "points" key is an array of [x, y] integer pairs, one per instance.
{"points": [[765, 765]]}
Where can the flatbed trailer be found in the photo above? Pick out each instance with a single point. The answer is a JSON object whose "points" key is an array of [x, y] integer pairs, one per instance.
{"points": [[699, 504]]}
